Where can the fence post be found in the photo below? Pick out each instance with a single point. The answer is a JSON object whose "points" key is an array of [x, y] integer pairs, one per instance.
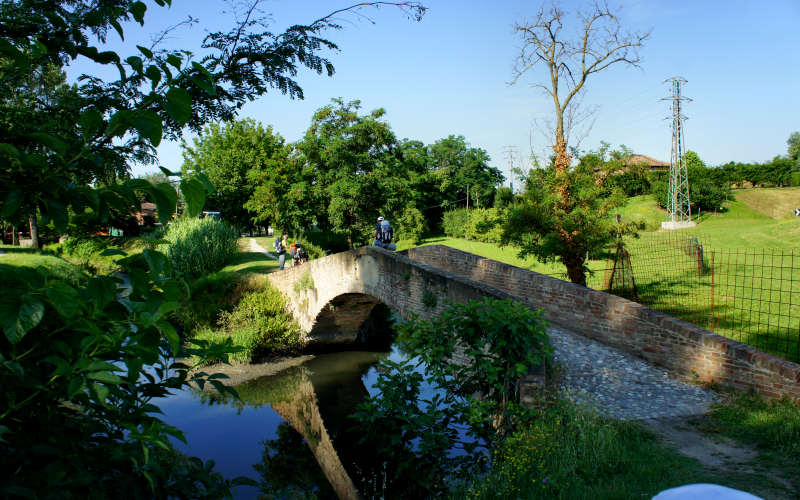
{"points": [[699, 258], [712, 291]]}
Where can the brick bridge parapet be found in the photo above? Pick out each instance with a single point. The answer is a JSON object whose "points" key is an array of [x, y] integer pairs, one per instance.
{"points": [[686, 350]]}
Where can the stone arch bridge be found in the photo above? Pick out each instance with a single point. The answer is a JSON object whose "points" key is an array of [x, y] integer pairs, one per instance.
{"points": [[332, 297]]}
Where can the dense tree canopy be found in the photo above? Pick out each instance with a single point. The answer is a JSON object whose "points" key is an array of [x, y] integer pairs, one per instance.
{"points": [[356, 167], [226, 153]]}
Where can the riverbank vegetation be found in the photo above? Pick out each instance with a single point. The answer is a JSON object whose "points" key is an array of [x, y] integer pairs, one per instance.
{"points": [[415, 438], [258, 324]]}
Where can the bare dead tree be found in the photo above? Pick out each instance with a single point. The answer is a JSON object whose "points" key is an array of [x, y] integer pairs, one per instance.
{"points": [[571, 57]]}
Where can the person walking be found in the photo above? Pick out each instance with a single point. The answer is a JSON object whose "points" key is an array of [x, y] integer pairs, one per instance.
{"points": [[282, 246]]}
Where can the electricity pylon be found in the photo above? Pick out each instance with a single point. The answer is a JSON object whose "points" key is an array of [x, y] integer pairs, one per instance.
{"points": [[510, 152], [678, 207]]}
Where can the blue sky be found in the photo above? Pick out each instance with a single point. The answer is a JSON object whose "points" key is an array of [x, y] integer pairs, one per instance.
{"points": [[448, 75]]}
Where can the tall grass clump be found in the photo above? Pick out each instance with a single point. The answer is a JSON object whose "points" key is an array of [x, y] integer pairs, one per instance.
{"points": [[259, 324], [199, 246], [570, 452]]}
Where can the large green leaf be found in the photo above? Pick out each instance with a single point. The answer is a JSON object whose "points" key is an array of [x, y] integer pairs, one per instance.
{"points": [[136, 63], [102, 290], [18, 316], [119, 123], [63, 298], [57, 212], [138, 9], [149, 125], [179, 105], [11, 203], [166, 199], [50, 141], [194, 192], [90, 121], [156, 261], [169, 332], [145, 51], [154, 74]]}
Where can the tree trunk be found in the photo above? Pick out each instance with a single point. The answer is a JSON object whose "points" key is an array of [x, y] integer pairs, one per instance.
{"points": [[14, 236], [575, 271], [34, 229]]}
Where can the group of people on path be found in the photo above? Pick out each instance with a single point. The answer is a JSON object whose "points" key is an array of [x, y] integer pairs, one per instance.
{"points": [[295, 251], [382, 235]]}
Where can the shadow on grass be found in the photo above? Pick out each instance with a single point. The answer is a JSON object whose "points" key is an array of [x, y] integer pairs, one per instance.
{"points": [[13, 249]]}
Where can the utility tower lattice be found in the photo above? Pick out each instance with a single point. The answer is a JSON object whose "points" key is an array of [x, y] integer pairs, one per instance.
{"points": [[510, 152], [678, 207]]}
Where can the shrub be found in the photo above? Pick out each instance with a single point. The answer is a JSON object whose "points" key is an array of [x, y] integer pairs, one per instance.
{"points": [[324, 241], [415, 438], [258, 324], [199, 246], [455, 223], [412, 225], [570, 452], [479, 224]]}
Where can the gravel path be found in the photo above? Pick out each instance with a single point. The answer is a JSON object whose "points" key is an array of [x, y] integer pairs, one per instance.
{"points": [[620, 385], [254, 246]]}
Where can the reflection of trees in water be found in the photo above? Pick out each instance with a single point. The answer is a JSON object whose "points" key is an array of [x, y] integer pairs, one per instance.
{"points": [[288, 469], [317, 450]]}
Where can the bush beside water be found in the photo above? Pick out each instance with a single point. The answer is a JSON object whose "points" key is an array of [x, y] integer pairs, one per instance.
{"points": [[259, 323]]}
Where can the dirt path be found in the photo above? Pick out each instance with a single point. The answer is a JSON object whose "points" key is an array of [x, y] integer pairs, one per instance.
{"points": [[254, 246], [722, 456]]}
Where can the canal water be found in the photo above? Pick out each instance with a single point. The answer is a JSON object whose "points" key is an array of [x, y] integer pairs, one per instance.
{"points": [[290, 431]]}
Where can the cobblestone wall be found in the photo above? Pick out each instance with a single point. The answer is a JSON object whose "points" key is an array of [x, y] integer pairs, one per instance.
{"points": [[686, 350]]}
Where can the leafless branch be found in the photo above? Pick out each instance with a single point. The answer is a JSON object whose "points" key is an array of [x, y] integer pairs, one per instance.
{"points": [[166, 34], [414, 10], [599, 43]]}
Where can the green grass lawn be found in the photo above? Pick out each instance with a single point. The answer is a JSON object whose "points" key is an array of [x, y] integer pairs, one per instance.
{"points": [[778, 203], [49, 265], [739, 226]]}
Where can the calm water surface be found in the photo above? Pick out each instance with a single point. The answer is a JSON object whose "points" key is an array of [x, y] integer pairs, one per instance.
{"points": [[290, 431]]}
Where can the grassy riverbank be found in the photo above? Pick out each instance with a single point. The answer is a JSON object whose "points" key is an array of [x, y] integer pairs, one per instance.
{"points": [[570, 452]]}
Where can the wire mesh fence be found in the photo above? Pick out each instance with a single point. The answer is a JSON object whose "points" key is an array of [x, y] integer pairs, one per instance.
{"points": [[749, 295]]}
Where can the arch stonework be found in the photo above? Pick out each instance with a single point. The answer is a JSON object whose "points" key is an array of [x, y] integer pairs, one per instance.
{"points": [[331, 297]]}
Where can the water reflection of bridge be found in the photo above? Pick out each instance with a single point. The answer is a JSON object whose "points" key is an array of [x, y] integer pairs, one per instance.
{"points": [[316, 399]]}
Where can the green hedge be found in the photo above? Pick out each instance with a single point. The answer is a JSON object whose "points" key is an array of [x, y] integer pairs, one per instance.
{"points": [[199, 246], [479, 224]]}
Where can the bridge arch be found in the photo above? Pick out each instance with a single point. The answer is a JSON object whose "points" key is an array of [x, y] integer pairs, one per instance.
{"points": [[331, 297]]}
